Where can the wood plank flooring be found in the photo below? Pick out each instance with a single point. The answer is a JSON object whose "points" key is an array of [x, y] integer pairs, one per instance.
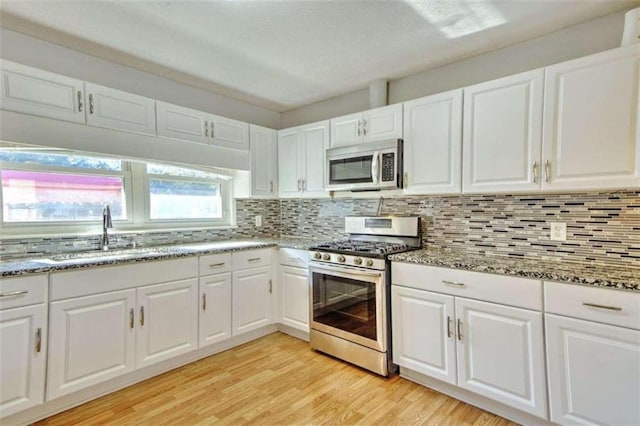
{"points": [[275, 380]]}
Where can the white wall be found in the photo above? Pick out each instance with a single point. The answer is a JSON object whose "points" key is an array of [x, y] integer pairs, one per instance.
{"points": [[41, 54], [580, 40]]}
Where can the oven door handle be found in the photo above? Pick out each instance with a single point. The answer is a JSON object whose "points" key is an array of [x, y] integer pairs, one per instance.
{"points": [[375, 167], [348, 272]]}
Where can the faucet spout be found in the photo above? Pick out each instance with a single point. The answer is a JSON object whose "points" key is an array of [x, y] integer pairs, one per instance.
{"points": [[106, 224]]}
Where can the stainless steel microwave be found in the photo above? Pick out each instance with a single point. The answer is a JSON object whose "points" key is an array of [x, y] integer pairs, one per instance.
{"points": [[365, 167]]}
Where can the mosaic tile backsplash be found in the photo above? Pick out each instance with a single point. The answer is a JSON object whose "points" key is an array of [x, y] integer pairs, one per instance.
{"points": [[602, 227]]}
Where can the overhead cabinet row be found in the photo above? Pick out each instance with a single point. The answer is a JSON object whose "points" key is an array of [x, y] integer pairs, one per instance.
{"points": [[42, 93]]}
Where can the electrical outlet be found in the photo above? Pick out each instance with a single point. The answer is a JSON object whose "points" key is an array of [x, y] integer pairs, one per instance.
{"points": [[258, 220], [558, 231]]}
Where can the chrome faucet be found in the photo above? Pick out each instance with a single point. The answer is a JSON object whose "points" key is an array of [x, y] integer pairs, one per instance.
{"points": [[106, 224]]}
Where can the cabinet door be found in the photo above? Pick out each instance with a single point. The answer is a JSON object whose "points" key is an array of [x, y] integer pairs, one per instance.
{"points": [[500, 354], [92, 339], [167, 321], [594, 372], [433, 144], [591, 135], [502, 134], [264, 161], [289, 166], [181, 123], [316, 142], [33, 91], [346, 130], [229, 133], [251, 294], [294, 297], [23, 343], [118, 110], [215, 309], [382, 123], [423, 332]]}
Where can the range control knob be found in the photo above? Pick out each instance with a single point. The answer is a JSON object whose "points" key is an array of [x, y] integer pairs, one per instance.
{"points": [[369, 262], [317, 255], [357, 261], [326, 256], [341, 259]]}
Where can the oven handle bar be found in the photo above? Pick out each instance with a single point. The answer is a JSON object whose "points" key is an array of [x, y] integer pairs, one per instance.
{"points": [[349, 271]]}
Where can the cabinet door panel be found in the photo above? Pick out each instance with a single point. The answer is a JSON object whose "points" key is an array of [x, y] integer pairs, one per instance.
{"points": [[502, 134], [91, 341], [316, 142], [168, 321], [251, 294], [37, 92], [382, 123], [294, 297], [289, 168], [215, 309], [594, 372], [229, 133], [346, 130], [118, 110], [433, 144], [423, 333], [264, 161], [22, 366], [181, 123], [591, 135], [500, 354]]}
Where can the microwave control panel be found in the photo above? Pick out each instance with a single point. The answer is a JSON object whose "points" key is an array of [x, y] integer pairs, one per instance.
{"points": [[388, 167]]}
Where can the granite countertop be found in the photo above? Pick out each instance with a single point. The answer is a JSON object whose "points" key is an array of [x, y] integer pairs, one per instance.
{"points": [[547, 270], [67, 261]]}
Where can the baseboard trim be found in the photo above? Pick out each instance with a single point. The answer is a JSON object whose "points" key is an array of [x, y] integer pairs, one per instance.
{"points": [[474, 399], [294, 332]]}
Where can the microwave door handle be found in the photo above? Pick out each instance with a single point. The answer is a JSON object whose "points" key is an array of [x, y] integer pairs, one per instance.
{"points": [[375, 166]]}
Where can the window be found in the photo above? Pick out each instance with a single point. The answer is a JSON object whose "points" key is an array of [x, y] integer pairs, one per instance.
{"points": [[47, 187]]}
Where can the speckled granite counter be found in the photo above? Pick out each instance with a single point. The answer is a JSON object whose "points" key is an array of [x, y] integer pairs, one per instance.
{"points": [[41, 265], [571, 272]]}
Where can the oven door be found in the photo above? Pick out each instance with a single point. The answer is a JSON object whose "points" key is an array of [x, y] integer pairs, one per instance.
{"points": [[349, 303]]}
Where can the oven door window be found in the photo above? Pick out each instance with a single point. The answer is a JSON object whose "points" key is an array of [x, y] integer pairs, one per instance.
{"points": [[351, 170], [345, 304]]}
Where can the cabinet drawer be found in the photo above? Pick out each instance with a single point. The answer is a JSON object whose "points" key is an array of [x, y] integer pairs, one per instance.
{"points": [[603, 305], [251, 259], [215, 264], [23, 291], [514, 291], [294, 257]]}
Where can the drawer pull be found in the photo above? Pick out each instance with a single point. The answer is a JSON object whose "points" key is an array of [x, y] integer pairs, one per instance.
{"points": [[595, 305], [39, 340], [448, 326], [14, 293], [254, 259], [216, 265], [131, 318], [453, 283], [460, 330]]}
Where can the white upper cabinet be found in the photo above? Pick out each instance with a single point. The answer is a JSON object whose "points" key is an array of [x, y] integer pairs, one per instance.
{"points": [[37, 92], [301, 160], [591, 138], [114, 109], [264, 161], [228, 133], [182, 123], [502, 134], [368, 126], [433, 144]]}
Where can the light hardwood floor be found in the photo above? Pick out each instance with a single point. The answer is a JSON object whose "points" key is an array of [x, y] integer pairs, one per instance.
{"points": [[276, 380]]}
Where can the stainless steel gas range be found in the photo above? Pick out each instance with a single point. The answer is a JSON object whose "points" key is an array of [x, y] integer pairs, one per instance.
{"points": [[351, 290]]}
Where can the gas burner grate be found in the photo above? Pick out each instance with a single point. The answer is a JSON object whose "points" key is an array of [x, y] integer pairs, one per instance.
{"points": [[363, 247]]}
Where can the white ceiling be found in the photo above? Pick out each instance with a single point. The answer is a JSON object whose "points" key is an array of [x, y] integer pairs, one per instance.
{"points": [[286, 54]]}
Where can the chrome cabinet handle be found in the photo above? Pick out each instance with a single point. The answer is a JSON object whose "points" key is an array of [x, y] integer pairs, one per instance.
{"points": [[38, 340], [204, 301], [595, 305], [131, 320], [449, 326], [271, 186], [141, 316], [359, 131], [80, 104], [364, 127], [304, 184], [460, 330], [453, 283], [405, 180], [547, 171], [270, 286], [206, 129], [213, 130], [216, 265], [535, 172], [254, 259], [14, 293], [299, 185], [375, 166], [90, 103]]}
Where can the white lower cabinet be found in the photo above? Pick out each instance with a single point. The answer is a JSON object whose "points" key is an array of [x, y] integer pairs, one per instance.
{"points": [[491, 349], [251, 296], [215, 309], [92, 339], [294, 297], [168, 321]]}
